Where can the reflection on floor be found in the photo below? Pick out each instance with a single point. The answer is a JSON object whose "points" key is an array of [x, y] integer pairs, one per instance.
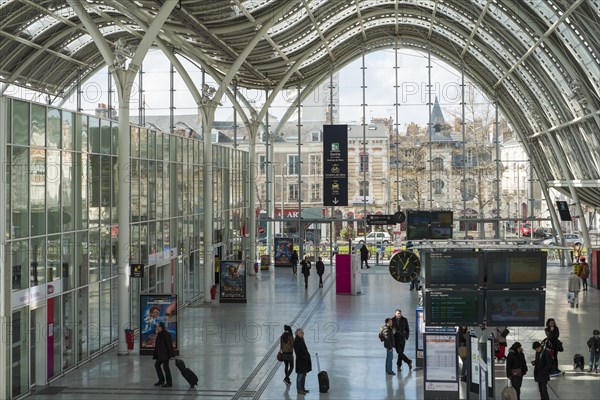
{"points": [[232, 347]]}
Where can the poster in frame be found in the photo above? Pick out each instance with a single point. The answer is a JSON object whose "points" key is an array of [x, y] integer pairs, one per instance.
{"points": [[284, 247], [232, 282], [155, 308]]}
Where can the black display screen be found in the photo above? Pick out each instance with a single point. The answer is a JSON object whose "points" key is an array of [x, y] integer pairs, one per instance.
{"points": [[515, 307], [440, 232], [454, 308], [454, 269], [417, 232], [415, 217], [442, 218], [516, 270]]}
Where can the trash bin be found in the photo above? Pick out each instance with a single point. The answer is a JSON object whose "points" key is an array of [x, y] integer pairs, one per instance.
{"points": [[129, 338]]}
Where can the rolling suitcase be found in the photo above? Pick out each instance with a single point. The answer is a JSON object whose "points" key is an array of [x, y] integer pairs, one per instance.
{"points": [[187, 373], [322, 377]]}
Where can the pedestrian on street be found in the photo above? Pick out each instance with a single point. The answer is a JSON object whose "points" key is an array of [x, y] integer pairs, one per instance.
{"points": [[388, 343], [305, 270], [401, 334], [364, 256], [516, 367]]}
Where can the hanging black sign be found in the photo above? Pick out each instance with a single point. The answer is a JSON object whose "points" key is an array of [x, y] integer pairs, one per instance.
{"points": [[335, 165], [563, 210], [137, 271]]}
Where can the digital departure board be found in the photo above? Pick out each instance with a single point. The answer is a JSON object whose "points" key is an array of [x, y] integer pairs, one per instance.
{"points": [[429, 224], [516, 270], [515, 307], [454, 308], [454, 269]]}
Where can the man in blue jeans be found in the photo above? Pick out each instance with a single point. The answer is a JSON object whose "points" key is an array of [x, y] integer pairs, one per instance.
{"points": [[388, 343]]}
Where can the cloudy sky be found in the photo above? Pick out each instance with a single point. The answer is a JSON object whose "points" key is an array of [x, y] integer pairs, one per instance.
{"points": [[379, 79]]}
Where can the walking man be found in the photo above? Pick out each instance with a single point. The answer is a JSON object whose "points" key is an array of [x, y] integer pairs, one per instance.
{"points": [[320, 270], [305, 270], [163, 352], [574, 286], [364, 256], [401, 334], [541, 370]]}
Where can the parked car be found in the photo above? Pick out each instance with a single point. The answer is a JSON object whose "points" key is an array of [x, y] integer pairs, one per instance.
{"points": [[377, 238], [526, 230], [570, 240], [544, 233]]}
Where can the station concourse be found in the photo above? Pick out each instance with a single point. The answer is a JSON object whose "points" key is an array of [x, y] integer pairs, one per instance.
{"points": [[232, 347], [94, 190]]}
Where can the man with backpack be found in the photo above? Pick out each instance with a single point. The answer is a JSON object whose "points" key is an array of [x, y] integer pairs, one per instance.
{"points": [[401, 334], [388, 343]]}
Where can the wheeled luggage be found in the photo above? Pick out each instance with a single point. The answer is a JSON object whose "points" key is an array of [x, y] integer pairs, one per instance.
{"points": [[187, 373], [578, 361], [322, 377]]}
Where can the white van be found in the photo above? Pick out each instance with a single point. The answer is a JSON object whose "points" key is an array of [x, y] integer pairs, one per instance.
{"points": [[377, 238]]}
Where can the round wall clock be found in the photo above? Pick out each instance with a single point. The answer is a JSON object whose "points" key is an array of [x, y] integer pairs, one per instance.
{"points": [[405, 266]]}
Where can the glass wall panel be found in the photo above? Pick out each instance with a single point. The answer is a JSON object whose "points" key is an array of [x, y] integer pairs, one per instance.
{"points": [[108, 199], [38, 192], [114, 308], [152, 190], [82, 323], [54, 128], [20, 123], [82, 136], [68, 329], [135, 142], [135, 190], [94, 135], [143, 143], [68, 261], [37, 271], [53, 255], [20, 351], [152, 145], [19, 191], [53, 188], [18, 257], [67, 131], [105, 253], [86, 174], [94, 190], [159, 189], [68, 194], [94, 254], [115, 139], [54, 334], [143, 190], [38, 125], [81, 259], [105, 320], [94, 317], [105, 136]]}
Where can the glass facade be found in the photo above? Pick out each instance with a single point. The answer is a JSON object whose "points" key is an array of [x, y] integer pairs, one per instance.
{"points": [[62, 231]]}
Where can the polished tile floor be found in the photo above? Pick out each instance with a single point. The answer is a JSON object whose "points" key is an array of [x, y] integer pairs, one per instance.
{"points": [[232, 347]]}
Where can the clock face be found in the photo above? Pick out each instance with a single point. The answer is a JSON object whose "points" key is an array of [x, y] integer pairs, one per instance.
{"points": [[405, 266]]}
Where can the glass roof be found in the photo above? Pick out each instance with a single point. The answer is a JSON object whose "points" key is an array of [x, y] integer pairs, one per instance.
{"points": [[541, 56]]}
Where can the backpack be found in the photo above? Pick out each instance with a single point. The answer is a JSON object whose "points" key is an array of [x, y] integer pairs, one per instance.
{"points": [[381, 335]]}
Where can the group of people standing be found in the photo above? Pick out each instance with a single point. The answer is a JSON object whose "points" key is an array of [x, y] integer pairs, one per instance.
{"points": [[305, 266], [288, 345], [395, 334]]}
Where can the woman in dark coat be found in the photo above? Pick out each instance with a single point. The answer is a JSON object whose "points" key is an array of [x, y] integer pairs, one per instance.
{"points": [[163, 352], [552, 334], [303, 362], [516, 367]]}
